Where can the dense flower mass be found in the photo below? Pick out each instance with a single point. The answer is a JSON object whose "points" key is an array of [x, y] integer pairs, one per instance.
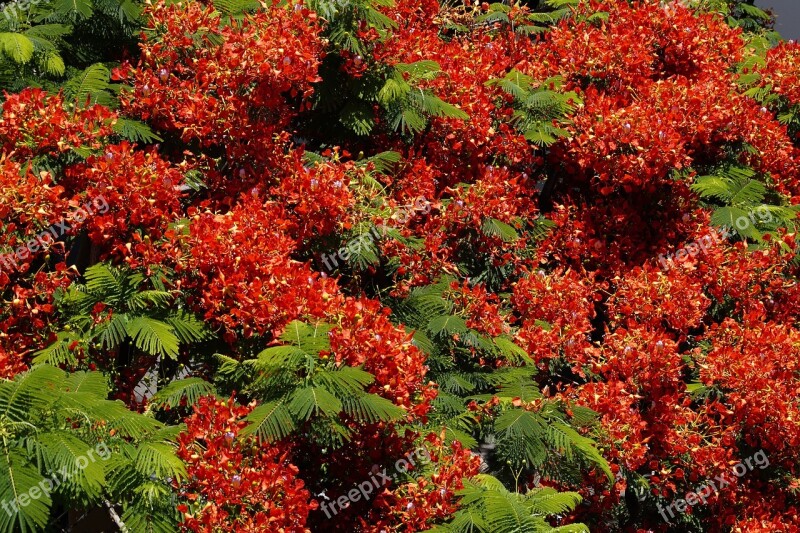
{"points": [[229, 89], [549, 250], [240, 484], [36, 124]]}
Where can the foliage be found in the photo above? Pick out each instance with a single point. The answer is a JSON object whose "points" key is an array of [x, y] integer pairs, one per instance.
{"points": [[538, 109], [479, 371], [299, 383], [65, 444], [112, 309], [55, 44], [489, 506]]}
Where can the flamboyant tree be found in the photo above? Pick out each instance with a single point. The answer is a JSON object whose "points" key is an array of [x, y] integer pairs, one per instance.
{"points": [[550, 244]]}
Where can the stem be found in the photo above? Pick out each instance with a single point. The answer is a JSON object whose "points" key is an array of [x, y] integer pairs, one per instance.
{"points": [[115, 517]]}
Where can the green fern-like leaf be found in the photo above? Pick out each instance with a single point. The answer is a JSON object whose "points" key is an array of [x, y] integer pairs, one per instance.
{"points": [[735, 191], [103, 280], [135, 131], [487, 506], [453, 433], [112, 333], [151, 512], [384, 162], [712, 187], [358, 118], [188, 328], [54, 64], [582, 416], [159, 460], [362, 246], [749, 193], [81, 471], [436, 107], [188, 389], [571, 440], [32, 390], [447, 325], [345, 380], [74, 8], [497, 228], [371, 408], [543, 134], [91, 85], [753, 11], [114, 414], [511, 351], [17, 46], [521, 436], [153, 336], [236, 7], [311, 339], [408, 120], [423, 69], [59, 351], [129, 11], [94, 383], [515, 383], [308, 401], [423, 342], [271, 422], [17, 478], [548, 501], [729, 216]]}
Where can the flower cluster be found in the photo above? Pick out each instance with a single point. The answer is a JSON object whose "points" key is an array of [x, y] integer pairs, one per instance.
{"points": [[234, 483]]}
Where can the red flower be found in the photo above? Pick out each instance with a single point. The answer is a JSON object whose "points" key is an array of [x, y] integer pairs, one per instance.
{"points": [[236, 484]]}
